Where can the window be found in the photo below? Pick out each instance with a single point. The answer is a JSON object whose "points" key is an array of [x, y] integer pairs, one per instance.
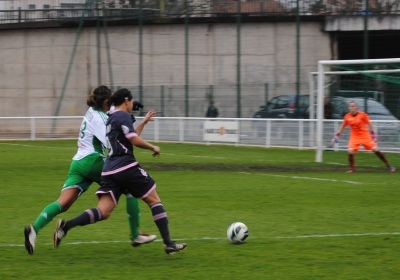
{"points": [[31, 6]]}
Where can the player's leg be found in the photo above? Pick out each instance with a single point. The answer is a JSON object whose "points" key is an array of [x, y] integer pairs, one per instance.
{"points": [[66, 199], [140, 184], [89, 168], [161, 220], [133, 212], [107, 202], [372, 145], [78, 181], [383, 158], [351, 155], [72, 188], [46, 216], [351, 159]]}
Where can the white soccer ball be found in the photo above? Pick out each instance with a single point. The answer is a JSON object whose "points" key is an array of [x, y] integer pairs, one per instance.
{"points": [[237, 232]]}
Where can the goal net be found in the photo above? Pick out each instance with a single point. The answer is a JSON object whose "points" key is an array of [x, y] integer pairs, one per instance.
{"points": [[374, 84]]}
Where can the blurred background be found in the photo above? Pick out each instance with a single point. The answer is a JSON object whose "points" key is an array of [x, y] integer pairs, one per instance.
{"points": [[179, 57]]}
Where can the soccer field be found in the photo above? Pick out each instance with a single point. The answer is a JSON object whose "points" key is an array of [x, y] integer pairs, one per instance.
{"points": [[306, 220]]}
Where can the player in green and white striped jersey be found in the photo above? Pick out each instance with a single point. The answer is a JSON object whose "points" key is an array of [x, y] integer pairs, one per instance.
{"points": [[86, 167]]}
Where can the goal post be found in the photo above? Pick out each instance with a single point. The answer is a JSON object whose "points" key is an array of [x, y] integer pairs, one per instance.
{"points": [[372, 80]]}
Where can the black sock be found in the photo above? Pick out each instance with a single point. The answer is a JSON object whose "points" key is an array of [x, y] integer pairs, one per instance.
{"points": [[90, 216], [382, 158], [161, 220], [351, 161]]}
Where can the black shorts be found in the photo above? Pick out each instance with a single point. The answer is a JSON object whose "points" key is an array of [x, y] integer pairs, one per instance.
{"points": [[134, 180]]}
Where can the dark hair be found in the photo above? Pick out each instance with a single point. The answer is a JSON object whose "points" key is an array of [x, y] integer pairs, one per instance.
{"points": [[120, 96], [97, 97]]}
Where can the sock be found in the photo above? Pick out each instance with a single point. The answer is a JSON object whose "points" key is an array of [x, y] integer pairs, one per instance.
{"points": [[382, 158], [133, 213], [47, 215], [161, 220], [90, 216], [351, 161]]}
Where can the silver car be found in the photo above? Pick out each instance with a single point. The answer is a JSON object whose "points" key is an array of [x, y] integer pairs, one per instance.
{"points": [[388, 126]]}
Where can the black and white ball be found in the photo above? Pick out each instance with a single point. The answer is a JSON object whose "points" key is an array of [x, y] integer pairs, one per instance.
{"points": [[237, 232]]}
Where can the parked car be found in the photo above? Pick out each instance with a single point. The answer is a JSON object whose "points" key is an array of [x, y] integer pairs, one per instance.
{"points": [[375, 110], [284, 107]]}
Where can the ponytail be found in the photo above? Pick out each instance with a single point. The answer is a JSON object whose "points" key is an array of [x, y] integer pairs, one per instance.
{"points": [[97, 97]]}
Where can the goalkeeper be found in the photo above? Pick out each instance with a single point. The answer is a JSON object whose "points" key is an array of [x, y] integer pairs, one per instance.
{"points": [[361, 133]]}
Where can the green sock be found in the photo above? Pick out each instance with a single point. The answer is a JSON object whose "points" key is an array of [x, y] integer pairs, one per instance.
{"points": [[133, 212], [47, 215]]}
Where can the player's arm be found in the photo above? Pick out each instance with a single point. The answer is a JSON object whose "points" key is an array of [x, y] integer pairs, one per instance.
{"points": [[149, 117], [370, 128], [336, 136], [341, 129], [368, 123], [372, 132], [141, 143]]}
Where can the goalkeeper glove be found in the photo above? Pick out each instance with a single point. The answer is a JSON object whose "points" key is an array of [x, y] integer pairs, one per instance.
{"points": [[335, 138], [374, 136]]}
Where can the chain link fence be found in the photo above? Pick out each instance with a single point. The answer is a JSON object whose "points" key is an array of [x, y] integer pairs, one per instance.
{"points": [[14, 11]]}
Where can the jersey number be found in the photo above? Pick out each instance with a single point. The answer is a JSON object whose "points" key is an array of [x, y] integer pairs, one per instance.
{"points": [[82, 130]]}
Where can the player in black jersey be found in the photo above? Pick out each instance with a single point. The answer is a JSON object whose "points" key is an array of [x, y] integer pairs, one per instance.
{"points": [[122, 173]]}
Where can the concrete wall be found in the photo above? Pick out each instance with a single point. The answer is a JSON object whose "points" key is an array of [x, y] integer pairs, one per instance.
{"points": [[34, 62]]}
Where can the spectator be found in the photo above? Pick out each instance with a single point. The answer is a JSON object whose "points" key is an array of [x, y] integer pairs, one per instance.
{"points": [[212, 111], [328, 108]]}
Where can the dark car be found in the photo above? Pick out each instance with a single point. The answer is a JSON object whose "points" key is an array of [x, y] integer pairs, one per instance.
{"points": [[284, 107]]}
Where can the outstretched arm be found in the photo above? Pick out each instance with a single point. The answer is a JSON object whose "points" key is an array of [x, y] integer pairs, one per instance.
{"points": [[372, 132], [149, 117], [341, 129], [335, 138], [141, 143], [370, 128]]}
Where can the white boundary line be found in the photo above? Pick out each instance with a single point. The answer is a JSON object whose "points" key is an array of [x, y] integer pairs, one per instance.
{"points": [[36, 146], [224, 238], [306, 178]]}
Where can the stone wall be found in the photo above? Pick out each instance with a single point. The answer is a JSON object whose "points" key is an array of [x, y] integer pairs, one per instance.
{"points": [[34, 62]]}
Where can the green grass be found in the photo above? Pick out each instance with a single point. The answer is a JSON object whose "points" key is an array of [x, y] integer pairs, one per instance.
{"points": [[306, 220]]}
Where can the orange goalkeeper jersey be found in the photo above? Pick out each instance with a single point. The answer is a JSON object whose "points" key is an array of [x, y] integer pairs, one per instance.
{"points": [[357, 124]]}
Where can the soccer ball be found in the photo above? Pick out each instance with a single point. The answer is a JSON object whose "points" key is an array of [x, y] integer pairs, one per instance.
{"points": [[237, 232]]}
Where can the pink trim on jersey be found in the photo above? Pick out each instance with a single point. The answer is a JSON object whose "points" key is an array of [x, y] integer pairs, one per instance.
{"points": [[147, 194], [130, 135], [108, 192], [119, 169], [123, 147]]}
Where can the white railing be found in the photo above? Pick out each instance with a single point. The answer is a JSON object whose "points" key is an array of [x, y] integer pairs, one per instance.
{"points": [[289, 133]]}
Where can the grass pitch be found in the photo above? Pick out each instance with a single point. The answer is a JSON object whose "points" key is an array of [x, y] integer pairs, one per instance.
{"points": [[306, 220]]}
